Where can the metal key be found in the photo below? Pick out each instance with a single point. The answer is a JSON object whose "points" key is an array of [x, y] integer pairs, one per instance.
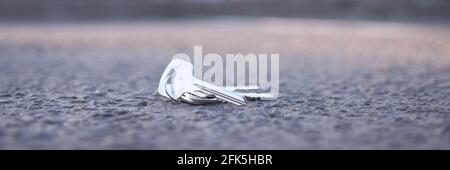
{"points": [[196, 100], [178, 79], [250, 92], [182, 83]]}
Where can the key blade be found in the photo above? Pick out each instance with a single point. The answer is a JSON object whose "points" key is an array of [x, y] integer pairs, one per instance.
{"points": [[192, 98], [221, 93]]}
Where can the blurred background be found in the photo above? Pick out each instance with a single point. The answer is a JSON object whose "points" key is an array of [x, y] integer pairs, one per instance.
{"points": [[142, 9], [354, 74]]}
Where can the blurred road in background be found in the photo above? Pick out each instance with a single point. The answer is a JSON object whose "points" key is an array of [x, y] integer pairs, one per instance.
{"points": [[69, 10], [353, 74]]}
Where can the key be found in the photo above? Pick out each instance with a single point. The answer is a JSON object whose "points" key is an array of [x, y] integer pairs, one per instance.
{"points": [[250, 92], [178, 79], [219, 92], [186, 97], [184, 81], [196, 100]]}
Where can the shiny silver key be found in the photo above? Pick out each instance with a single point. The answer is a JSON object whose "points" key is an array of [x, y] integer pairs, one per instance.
{"points": [[250, 92], [218, 92], [178, 79], [197, 100]]}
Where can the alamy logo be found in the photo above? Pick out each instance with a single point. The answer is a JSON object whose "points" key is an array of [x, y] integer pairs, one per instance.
{"points": [[240, 72]]}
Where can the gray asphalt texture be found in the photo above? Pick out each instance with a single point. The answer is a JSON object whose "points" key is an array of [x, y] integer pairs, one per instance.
{"points": [[343, 85]]}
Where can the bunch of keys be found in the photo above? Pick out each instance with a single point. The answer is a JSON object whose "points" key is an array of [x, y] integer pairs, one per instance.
{"points": [[178, 83]]}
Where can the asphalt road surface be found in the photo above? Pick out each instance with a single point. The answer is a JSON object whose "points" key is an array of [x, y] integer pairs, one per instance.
{"points": [[343, 85]]}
